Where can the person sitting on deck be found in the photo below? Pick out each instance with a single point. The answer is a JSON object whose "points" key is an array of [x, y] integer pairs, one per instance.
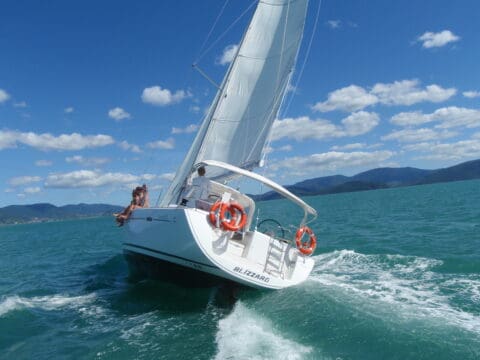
{"points": [[139, 200]]}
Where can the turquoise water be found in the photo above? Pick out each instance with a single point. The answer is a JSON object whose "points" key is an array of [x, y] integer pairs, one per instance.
{"points": [[397, 276]]}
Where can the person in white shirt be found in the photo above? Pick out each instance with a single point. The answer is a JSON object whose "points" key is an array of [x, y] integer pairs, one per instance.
{"points": [[199, 188]]}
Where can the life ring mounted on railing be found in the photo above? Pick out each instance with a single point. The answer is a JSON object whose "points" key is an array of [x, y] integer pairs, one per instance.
{"points": [[306, 248], [228, 216]]}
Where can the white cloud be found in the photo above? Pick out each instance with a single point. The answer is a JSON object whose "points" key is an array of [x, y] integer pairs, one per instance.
{"points": [[89, 178], [471, 94], [167, 176], [430, 39], [69, 110], [87, 161], [349, 146], [350, 98], [195, 109], [32, 190], [23, 180], [21, 104], [43, 163], [228, 55], [46, 141], [269, 149], [407, 92], [118, 114], [414, 135], [331, 161], [187, 130], [457, 151], [129, 147], [334, 24], [303, 128], [404, 92], [161, 144], [4, 96], [155, 95], [448, 117]]}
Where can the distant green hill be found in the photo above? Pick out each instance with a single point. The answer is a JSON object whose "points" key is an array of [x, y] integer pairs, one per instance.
{"points": [[47, 212], [379, 178]]}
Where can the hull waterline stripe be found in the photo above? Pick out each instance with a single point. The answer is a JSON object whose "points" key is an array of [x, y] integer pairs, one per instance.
{"points": [[170, 255]]}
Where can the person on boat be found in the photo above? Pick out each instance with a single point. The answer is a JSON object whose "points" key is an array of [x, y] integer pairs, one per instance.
{"points": [[143, 193], [199, 188], [139, 200]]}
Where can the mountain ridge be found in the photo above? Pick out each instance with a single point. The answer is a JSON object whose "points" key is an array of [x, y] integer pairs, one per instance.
{"points": [[378, 178]]}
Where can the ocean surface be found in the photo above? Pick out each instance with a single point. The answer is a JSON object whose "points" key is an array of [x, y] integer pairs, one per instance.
{"points": [[397, 276]]}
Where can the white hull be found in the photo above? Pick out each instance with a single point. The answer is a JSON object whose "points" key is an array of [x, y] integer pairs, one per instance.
{"points": [[185, 237]]}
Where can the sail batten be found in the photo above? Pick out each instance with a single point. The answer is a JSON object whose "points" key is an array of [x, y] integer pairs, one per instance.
{"points": [[240, 119]]}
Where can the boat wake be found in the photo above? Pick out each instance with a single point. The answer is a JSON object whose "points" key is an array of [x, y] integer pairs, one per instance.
{"points": [[245, 334], [404, 287], [49, 303]]}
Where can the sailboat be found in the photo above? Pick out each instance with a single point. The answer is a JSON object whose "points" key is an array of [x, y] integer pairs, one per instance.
{"points": [[216, 236]]}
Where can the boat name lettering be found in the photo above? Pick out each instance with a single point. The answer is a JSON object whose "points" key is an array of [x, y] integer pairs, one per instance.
{"points": [[252, 274]]}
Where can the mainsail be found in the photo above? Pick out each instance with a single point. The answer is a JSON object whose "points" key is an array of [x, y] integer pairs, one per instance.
{"points": [[240, 118]]}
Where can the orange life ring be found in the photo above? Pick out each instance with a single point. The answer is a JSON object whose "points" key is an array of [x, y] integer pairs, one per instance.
{"points": [[232, 224], [215, 210], [309, 247]]}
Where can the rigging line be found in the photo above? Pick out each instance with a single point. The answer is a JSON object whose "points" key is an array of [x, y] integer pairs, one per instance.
{"points": [[309, 47], [225, 32], [212, 28]]}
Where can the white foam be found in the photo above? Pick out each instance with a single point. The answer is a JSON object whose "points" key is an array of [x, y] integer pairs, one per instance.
{"points": [[51, 302], [244, 334], [405, 285]]}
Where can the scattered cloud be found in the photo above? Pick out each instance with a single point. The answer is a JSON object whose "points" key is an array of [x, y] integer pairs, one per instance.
{"points": [[270, 149], [167, 176], [303, 128], [415, 135], [21, 104], [334, 24], [43, 163], [23, 180], [195, 109], [350, 98], [129, 147], [407, 92], [162, 144], [448, 117], [89, 178], [228, 55], [155, 95], [118, 114], [32, 190], [187, 130], [69, 110], [78, 159], [4, 96], [404, 92], [457, 151], [471, 94], [331, 161], [430, 39], [354, 146], [46, 141]]}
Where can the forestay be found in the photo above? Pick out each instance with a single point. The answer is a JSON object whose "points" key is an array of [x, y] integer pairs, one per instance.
{"points": [[240, 118]]}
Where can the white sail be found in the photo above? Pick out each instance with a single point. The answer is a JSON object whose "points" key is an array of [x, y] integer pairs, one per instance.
{"points": [[239, 121]]}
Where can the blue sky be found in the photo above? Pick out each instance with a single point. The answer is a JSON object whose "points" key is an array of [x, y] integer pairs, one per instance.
{"points": [[99, 96]]}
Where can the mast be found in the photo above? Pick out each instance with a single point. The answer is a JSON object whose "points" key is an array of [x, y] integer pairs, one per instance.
{"points": [[239, 120]]}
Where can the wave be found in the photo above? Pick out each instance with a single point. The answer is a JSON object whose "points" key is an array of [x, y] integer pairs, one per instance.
{"points": [[244, 334], [51, 302], [404, 287]]}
